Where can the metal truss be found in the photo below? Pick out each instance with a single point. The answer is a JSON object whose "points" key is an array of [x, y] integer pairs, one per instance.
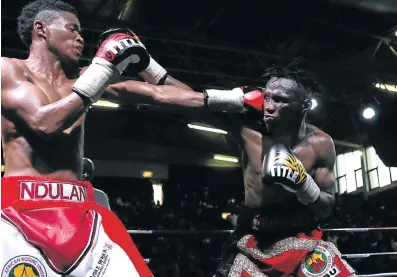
{"points": [[200, 63]]}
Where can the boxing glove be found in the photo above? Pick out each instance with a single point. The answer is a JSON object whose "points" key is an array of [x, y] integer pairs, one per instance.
{"points": [[236, 100], [153, 73], [118, 49], [281, 167]]}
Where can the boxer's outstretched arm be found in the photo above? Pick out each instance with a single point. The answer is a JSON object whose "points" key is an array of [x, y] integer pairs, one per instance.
{"points": [[324, 178], [237, 100], [29, 104], [136, 92]]}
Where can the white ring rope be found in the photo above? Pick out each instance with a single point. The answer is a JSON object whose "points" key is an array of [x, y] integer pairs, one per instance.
{"points": [[379, 274], [366, 255], [360, 229], [183, 232]]}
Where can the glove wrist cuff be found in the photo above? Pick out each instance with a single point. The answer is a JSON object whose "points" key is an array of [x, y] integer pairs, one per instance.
{"points": [[154, 74], [309, 192], [225, 100], [94, 80]]}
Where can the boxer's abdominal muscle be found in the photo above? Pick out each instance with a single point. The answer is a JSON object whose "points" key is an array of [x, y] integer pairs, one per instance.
{"points": [[26, 154]]}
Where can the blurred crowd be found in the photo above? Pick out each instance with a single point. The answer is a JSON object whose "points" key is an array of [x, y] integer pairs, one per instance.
{"points": [[201, 208]]}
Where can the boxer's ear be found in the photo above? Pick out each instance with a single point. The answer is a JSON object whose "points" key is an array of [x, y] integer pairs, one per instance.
{"points": [[39, 28], [307, 105]]}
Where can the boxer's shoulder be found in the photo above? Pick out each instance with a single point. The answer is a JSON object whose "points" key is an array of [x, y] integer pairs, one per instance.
{"points": [[12, 75], [12, 69], [322, 143]]}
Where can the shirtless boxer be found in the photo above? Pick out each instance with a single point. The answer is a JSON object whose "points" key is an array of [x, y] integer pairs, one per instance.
{"points": [[50, 222], [288, 182], [286, 192]]}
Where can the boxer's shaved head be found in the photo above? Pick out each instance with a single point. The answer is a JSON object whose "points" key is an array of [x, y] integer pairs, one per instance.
{"points": [[43, 10]]}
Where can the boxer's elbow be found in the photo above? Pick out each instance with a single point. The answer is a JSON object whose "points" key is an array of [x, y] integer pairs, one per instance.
{"points": [[41, 126], [323, 206]]}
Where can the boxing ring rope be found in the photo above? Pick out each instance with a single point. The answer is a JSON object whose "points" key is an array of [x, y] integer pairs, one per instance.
{"points": [[185, 232], [351, 230]]}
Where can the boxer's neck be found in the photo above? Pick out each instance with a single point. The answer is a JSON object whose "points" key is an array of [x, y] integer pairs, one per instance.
{"points": [[47, 64], [289, 134]]}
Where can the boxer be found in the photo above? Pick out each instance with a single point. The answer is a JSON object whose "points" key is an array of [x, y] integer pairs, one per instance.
{"points": [[51, 224], [45, 98], [288, 181]]}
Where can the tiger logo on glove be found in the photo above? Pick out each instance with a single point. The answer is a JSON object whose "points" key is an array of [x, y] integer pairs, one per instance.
{"points": [[288, 166]]}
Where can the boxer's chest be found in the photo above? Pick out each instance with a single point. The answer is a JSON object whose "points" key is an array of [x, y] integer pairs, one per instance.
{"points": [[55, 91], [256, 146]]}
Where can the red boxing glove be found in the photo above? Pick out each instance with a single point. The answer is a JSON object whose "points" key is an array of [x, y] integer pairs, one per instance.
{"points": [[119, 48], [253, 97], [236, 100], [122, 48]]}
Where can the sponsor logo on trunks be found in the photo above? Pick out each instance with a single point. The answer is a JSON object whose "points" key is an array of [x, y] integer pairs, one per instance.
{"points": [[288, 166], [34, 190], [319, 263], [24, 266], [103, 262]]}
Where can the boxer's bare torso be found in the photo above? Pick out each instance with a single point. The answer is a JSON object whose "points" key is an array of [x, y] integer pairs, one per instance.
{"points": [[28, 153], [284, 122], [255, 145]]}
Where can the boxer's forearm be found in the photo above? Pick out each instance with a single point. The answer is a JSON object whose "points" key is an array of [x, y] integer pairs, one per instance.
{"points": [[179, 96], [60, 115], [135, 92], [323, 206]]}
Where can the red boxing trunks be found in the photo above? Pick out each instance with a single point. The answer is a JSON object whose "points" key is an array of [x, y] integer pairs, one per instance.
{"points": [[282, 241], [303, 255], [53, 227]]}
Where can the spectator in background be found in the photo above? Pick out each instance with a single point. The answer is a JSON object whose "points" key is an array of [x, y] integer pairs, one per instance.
{"points": [[200, 207]]}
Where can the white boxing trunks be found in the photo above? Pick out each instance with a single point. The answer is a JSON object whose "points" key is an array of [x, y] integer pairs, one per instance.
{"points": [[53, 227]]}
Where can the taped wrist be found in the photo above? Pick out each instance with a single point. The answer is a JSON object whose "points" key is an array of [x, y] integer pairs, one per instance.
{"points": [[309, 191], [154, 74], [94, 80], [225, 100]]}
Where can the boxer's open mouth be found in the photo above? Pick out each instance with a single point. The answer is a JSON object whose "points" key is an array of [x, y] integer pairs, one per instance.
{"points": [[80, 49]]}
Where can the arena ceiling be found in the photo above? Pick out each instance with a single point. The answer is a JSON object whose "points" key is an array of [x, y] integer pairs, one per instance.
{"points": [[221, 43]]}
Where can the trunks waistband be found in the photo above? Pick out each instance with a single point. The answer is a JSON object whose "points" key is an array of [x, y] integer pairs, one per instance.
{"points": [[42, 189], [259, 221]]}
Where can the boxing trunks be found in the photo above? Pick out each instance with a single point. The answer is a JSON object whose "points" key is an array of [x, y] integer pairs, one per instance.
{"points": [[277, 242], [53, 227]]}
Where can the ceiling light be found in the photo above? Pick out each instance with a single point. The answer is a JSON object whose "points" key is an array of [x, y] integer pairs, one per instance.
{"points": [[314, 104], [107, 104], [207, 129], [368, 113], [386, 87], [226, 158], [147, 174]]}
